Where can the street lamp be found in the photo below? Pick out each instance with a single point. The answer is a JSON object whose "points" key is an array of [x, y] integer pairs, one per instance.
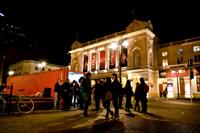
{"points": [[10, 73], [122, 43], [42, 65]]}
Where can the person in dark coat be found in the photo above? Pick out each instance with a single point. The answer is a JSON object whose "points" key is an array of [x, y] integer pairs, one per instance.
{"points": [[137, 97], [86, 92], [66, 95], [80, 100], [57, 91], [129, 93], [115, 86], [144, 88], [107, 97], [97, 94]]}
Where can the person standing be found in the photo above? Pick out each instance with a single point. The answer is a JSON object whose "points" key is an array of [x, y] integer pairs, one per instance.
{"points": [[137, 97], [129, 93], [115, 86], [66, 95], [144, 88], [107, 97], [57, 91], [81, 100], [97, 94], [86, 92]]}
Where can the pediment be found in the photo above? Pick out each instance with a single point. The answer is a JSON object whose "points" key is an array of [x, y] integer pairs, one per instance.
{"points": [[76, 45], [139, 25]]}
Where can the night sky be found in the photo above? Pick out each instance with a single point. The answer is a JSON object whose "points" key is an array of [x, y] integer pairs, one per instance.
{"points": [[52, 26]]}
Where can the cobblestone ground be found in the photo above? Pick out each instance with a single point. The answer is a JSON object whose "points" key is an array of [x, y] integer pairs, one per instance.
{"points": [[163, 117]]}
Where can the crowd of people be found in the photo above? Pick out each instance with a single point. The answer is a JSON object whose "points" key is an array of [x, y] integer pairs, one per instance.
{"points": [[106, 91]]}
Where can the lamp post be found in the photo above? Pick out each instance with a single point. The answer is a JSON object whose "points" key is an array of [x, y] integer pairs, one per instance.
{"points": [[177, 72], [177, 84]]}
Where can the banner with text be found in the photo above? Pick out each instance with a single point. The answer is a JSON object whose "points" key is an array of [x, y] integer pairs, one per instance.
{"points": [[112, 59], [85, 62], [93, 62], [102, 60]]}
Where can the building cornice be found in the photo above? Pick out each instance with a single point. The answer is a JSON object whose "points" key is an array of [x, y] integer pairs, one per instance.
{"points": [[118, 38]]}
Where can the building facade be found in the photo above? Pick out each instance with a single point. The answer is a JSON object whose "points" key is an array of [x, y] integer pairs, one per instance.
{"points": [[140, 55], [179, 68], [30, 66]]}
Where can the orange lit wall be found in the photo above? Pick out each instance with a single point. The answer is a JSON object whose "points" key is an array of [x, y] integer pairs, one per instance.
{"points": [[34, 83]]}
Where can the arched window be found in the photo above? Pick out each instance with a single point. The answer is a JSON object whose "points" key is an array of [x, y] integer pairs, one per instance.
{"points": [[137, 58]]}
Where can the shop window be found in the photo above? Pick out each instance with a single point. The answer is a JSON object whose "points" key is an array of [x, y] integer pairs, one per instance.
{"points": [[196, 48], [180, 51]]}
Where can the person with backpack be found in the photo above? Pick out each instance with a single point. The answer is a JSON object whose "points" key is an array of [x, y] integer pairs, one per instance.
{"points": [[144, 88]]}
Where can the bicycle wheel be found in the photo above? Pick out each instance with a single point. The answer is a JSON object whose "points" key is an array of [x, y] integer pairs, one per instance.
{"points": [[2, 105], [25, 105]]}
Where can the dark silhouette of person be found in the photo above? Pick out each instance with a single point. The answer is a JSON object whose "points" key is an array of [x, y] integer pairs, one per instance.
{"points": [[144, 88], [121, 96], [137, 97], [97, 94], [57, 94], [129, 94], [107, 97], [80, 100], [86, 92], [66, 95], [115, 86]]}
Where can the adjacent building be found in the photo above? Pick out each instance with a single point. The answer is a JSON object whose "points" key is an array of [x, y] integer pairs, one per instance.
{"points": [[30, 66], [179, 68], [163, 66]]}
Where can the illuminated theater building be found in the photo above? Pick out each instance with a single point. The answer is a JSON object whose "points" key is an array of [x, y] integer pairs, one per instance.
{"points": [[141, 56]]}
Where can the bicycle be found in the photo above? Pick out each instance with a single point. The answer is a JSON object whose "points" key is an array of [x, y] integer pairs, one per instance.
{"points": [[24, 104]]}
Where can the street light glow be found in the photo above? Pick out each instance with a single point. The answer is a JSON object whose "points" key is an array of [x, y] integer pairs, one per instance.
{"points": [[10, 73], [43, 64], [125, 43], [113, 46], [1, 14]]}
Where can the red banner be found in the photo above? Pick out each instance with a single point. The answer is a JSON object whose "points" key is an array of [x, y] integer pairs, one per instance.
{"points": [[85, 67], [102, 60], [93, 62], [112, 59], [124, 57]]}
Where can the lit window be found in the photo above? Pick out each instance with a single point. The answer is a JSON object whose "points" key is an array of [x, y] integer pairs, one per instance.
{"points": [[180, 51], [165, 62], [164, 53], [196, 48]]}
